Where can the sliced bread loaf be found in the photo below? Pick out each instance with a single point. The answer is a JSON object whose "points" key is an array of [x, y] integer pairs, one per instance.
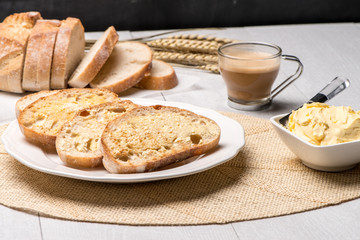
{"points": [[41, 121], [127, 65], [39, 54], [68, 52], [25, 101], [147, 138], [78, 142], [93, 61], [14, 33], [162, 77]]}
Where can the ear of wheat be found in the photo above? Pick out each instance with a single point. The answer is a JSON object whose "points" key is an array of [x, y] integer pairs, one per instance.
{"points": [[193, 50]]}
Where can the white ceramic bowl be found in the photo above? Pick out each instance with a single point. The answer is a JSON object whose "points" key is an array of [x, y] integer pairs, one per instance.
{"points": [[333, 158]]}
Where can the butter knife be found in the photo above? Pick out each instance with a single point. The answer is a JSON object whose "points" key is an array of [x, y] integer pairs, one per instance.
{"points": [[333, 88]]}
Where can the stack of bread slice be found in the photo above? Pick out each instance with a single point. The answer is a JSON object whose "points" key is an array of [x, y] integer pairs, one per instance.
{"points": [[37, 55], [92, 127], [118, 66], [130, 64], [54, 50]]}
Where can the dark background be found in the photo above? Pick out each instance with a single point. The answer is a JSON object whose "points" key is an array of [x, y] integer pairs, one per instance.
{"points": [[168, 14]]}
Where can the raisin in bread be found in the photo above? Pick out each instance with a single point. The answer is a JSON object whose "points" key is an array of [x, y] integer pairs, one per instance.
{"points": [[78, 142], [147, 138], [41, 121]]}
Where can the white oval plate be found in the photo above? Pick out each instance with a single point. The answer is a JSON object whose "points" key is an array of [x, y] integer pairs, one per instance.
{"points": [[231, 141]]}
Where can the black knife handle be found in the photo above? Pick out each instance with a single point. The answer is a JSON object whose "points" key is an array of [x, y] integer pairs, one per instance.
{"points": [[318, 98]]}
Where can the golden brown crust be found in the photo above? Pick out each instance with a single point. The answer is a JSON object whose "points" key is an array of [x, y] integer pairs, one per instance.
{"points": [[117, 160], [19, 25], [46, 142], [40, 122], [26, 19], [94, 60], [70, 138]]}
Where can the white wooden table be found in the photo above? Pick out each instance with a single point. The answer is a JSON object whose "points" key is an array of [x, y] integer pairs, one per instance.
{"points": [[326, 50]]}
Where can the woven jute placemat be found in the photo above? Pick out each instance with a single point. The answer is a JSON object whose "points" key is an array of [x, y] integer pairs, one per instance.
{"points": [[265, 179]]}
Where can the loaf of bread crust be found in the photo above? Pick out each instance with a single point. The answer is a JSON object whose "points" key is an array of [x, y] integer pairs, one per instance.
{"points": [[127, 65], [39, 55], [41, 121], [93, 61], [162, 77], [78, 142], [14, 33], [147, 138], [25, 101], [68, 52]]}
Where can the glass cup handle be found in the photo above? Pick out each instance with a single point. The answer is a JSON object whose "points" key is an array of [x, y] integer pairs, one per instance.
{"points": [[291, 78]]}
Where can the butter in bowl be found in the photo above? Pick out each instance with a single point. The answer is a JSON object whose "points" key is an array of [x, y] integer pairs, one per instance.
{"points": [[325, 138]]}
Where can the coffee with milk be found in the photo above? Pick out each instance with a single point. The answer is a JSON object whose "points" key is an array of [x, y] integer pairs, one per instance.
{"points": [[249, 75]]}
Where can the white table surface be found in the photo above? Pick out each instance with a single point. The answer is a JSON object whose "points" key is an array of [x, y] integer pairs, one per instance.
{"points": [[326, 50]]}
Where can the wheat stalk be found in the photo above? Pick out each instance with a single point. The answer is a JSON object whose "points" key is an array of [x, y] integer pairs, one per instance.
{"points": [[186, 58], [185, 45], [197, 51], [206, 62], [209, 67]]}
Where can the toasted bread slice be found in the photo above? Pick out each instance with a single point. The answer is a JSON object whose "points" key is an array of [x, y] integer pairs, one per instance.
{"points": [[162, 77], [93, 61], [78, 142], [39, 55], [41, 121], [14, 33], [68, 52], [127, 65], [147, 138], [25, 101]]}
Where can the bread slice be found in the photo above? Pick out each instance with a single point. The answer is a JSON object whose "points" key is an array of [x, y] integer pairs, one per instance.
{"points": [[39, 55], [162, 77], [78, 142], [150, 137], [68, 52], [41, 121], [14, 33], [93, 61], [127, 65], [25, 101]]}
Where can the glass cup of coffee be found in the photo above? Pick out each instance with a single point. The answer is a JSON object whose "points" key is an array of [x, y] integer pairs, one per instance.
{"points": [[249, 70]]}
